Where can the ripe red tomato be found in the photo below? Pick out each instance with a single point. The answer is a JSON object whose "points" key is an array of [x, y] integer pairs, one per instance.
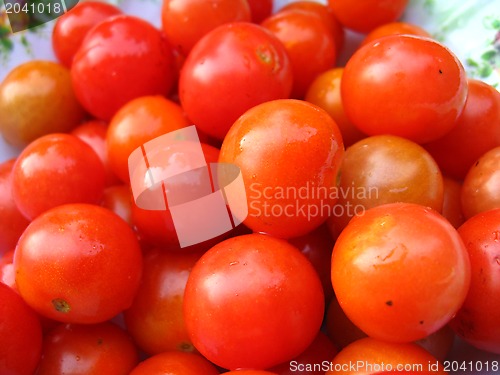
{"points": [[478, 320], [20, 335], [365, 15], [394, 28], [477, 131], [71, 28], [260, 9], [185, 22], [482, 184], [7, 275], [452, 203], [78, 263], [236, 66], [289, 153], [410, 245], [121, 58], [37, 98], [12, 221], [53, 170], [155, 318], [304, 34], [92, 349], [410, 86], [175, 363], [119, 199], [253, 301]]}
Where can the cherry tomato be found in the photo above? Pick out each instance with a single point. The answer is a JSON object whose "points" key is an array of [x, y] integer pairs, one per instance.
{"points": [[260, 9], [78, 263], [324, 92], [452, 204], [93, 349], [304, 34], [119, 199], [20, 335], [482, 184], [476, 132], [365, 15], [478, 320], [12, 222], [53, 170], [93, 133], [185, 22], [310, 360], [369, 356], [394, 28], [410, 86], [413, 245], [7, 275], [37, 98], [136, 123], [175, 363], [121, 58], [289, 153], [237, 66], [155, 318], [254, 281], [71, 28]]}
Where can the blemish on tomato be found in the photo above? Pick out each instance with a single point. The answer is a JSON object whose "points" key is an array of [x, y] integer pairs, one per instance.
{"points": [[61, 305], [389, 303]]}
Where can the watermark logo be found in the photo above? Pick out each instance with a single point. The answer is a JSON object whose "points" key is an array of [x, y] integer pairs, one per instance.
{"points": [[170, 172], [26, 14]]}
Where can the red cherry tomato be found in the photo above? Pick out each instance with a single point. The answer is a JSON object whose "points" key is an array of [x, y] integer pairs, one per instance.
{"points": [[121, 58], [260, 9], [20, 335], [252, 281], [185, 22], [71, 28], [93, 349], [365, 15], [78, 263], [7, 275], [413, 245], [119, 199], [289, 153], [12, 221], [452, 203], [410, 86], [304, 34], [237, 66], [394, 28], [175, 363], [53, 170]]}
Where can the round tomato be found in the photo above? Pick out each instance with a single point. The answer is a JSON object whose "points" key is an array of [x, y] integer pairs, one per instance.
{"points": [[260, 9], [120, 59], [230, 70], [71, 28], [78, 263], [253, 301], [394, 28], [412, 246], [452, 203], [93, 349], [118, 198], [53, 170], [20, 335], [289, 153], [37, 98], [175, 363], [409, 86]]}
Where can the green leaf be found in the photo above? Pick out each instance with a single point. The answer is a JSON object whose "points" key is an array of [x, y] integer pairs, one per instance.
{"points": [[489, 55], [472, 63], [6, 44], [485, 71]]}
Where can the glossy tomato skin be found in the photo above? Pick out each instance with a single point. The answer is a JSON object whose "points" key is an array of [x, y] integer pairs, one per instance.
{"points": [[136, 123], [411, 244], [477, 131], [482, 184], [478, 320], [20, 335], [155, 319], [175, 363], [53, 170], [365, 15], [394, 28], [37, 98], [452, 201], [12, 221], [236, 66], [119, 199], [185, 22], [284, 147], [92, 349], [303, 34], [71, 28], [78, 263], [410, 86], [253, 281], [122, 58]]}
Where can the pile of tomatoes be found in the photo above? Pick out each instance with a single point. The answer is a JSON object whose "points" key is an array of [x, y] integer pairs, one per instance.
{"points": [[373, 192]]}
